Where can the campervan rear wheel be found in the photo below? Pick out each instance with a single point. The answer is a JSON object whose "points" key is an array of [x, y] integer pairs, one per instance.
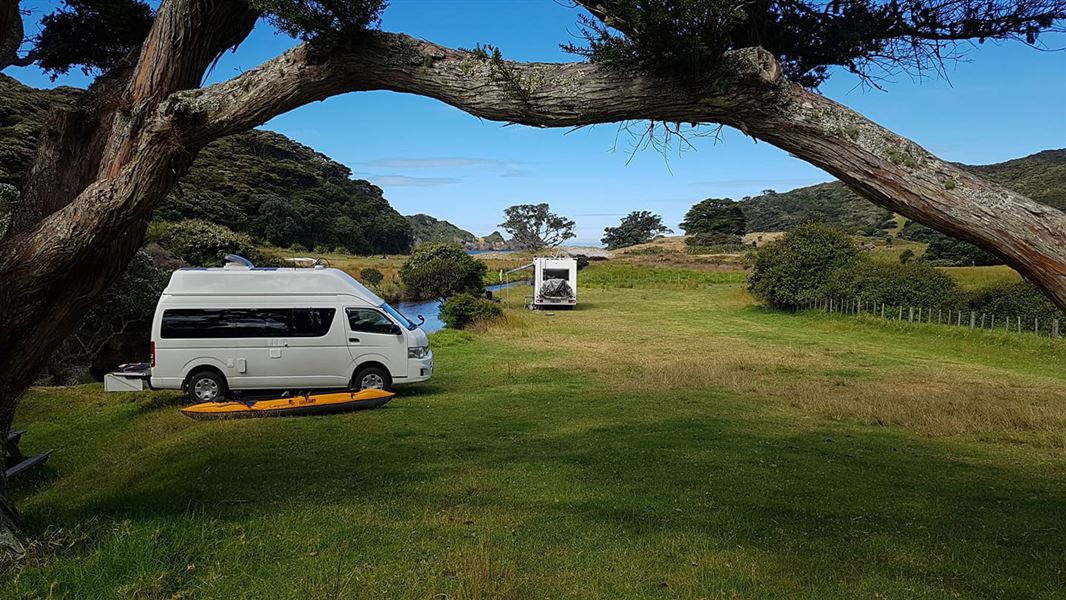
{"points": [[206, 386], [372, 378]]}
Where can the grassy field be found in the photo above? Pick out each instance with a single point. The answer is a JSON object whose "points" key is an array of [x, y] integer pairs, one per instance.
{"points": [[668, 439]]}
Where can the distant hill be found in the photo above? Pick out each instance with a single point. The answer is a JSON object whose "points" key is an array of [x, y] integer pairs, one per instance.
{"points": [[257, 182], [428, 229], [1041, 177]]}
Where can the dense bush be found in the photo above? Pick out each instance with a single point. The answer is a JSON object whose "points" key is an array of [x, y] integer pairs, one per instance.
{"points": [[1016, 300], [464, 309], [894, 284], [202, 243], [440, 271], [798, 266]]}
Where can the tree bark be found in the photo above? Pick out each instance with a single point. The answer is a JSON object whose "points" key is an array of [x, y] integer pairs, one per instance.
{"points": [[10, 32], [56, 266]]}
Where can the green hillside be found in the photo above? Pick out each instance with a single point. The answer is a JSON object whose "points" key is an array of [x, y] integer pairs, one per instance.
{"points": [[428, 229], [257, 182], [1041, 177], [826, 202]]}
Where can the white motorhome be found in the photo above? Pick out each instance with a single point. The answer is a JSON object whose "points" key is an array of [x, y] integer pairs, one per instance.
{"points": [[554, 282], [242, 328]]}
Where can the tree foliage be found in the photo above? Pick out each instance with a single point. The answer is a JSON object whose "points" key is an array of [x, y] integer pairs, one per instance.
{"points": [[798, 266], [441, 270], [535, 226], [715, 215], [872, 38], [322, 20], [638, 227], [93, 34]]}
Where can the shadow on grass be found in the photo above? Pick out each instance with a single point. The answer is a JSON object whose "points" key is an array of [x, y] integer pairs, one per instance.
{"points": [[876, 506]]}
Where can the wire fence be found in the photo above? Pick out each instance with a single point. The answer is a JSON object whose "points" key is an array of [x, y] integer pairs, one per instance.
{"points": [[939, 316]]}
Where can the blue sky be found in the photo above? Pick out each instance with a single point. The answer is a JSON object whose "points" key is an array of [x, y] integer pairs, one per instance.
{"points": [[1003, 102]]}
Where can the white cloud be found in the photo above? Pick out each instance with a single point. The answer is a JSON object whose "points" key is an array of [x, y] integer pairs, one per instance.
{"points": [[386, 181]]}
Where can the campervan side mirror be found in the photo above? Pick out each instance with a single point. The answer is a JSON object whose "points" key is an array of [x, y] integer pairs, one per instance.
{"points": [[395, 329]]}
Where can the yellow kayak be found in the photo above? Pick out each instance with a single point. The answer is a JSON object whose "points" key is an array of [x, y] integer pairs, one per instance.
{"points": [[311, 404]]}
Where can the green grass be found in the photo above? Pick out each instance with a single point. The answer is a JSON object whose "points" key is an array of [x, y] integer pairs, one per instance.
{"points": [[971, 278], [664, 440]]}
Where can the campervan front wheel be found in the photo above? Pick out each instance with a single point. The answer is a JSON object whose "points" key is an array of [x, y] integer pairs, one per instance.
{"points": [[372, 378], [206, 386]]}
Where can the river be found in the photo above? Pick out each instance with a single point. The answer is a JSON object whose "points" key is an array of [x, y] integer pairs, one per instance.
{"points": [[430, 309]]}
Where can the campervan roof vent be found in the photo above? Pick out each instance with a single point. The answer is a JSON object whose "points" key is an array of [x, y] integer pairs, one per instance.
{"points": [[237, 262]]}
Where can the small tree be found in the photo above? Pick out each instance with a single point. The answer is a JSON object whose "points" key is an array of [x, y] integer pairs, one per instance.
{"points": [[440, 271], [798, 266], [906, 256], [534, 226], [715, 215], [371, 277], [638, 227]]}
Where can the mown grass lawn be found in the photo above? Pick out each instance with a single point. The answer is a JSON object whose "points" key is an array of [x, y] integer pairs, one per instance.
{"points": [[666, 440]]}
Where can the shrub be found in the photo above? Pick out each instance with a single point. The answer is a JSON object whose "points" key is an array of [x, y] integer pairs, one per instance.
{"points": [[464, 309], [798, 266], [712, 238], [1019, 299], [906, 256], [894, 284], [203, 243], [371, 276], [440, 271]]}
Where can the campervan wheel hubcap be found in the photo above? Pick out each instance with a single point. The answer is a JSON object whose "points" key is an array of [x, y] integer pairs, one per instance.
{"points": [[372, 381], [206, 389]]}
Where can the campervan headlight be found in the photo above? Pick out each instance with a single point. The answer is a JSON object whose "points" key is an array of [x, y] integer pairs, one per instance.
{"points": [[417, 351]]}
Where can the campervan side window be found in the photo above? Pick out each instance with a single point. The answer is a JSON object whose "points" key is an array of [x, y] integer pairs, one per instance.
{"points": [[204, 323], [312, 322]]}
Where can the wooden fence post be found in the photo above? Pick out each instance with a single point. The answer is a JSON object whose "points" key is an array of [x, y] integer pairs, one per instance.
{"points": [[973, 319], [882, 310], [982, 320], [1019, 320], [1036, 325], [1055, 328], [910, 314]]}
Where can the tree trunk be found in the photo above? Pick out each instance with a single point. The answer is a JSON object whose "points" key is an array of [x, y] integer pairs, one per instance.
{"points": [[100, 169]]}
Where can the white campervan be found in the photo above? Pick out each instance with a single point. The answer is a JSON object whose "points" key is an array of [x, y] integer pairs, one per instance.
{"points": [[241, 327], [554, 282]]}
